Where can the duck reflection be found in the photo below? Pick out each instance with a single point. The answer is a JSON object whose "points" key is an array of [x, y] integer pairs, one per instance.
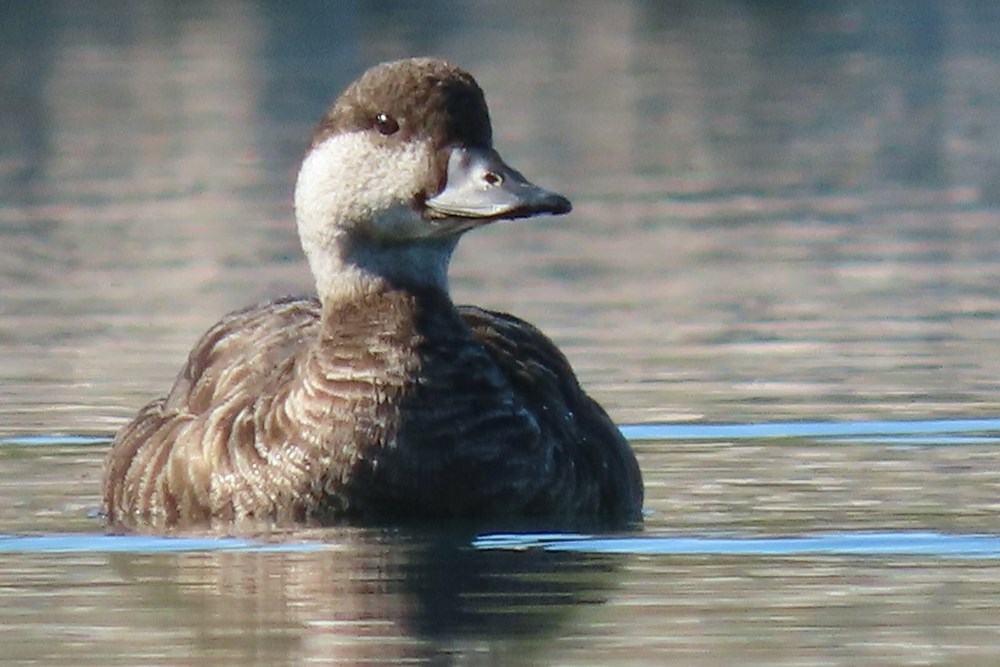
{"points": [[388, 594]]}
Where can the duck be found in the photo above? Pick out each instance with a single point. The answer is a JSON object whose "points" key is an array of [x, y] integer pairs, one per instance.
{"points": [[378, 398]]}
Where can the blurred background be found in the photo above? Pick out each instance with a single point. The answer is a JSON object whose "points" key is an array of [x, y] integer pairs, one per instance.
{"points": [[786, 219], [783, 209]]}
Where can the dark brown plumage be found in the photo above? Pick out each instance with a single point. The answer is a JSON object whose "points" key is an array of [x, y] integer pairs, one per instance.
{"points": [[381, 399], [435, 99]]}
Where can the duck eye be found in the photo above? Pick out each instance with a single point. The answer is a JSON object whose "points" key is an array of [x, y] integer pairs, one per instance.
{"points": [[386, 124]]}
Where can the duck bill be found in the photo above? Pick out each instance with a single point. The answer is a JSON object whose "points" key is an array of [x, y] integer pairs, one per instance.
{"points": [[482, 187]]}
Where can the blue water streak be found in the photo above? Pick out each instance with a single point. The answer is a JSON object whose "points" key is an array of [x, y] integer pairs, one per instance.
{"points": [[904, 544], [53, 440], [863, 429]]}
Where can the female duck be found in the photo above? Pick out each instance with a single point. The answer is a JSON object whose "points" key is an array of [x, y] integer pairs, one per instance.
{"points": [[381, 398]]}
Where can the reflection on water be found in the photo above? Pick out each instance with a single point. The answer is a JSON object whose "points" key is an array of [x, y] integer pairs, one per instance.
{"points": [[777, 537], [355, 604], [368, 596], [781, 273]]}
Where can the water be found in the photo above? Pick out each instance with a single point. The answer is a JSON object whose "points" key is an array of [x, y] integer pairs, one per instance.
{"points": [[780, 277]]}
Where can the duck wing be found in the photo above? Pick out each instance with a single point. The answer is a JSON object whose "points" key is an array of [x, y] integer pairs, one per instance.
{"points": [[600, 474], [162, 462]]}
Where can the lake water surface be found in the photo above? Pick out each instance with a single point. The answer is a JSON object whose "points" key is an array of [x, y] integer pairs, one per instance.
{"points": [[780, 277]]}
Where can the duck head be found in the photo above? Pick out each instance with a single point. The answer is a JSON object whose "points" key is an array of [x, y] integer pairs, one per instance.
{"points": [[400, 167]]}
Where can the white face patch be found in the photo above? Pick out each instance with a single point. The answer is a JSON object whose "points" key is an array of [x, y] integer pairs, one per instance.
{"points": [[350, 179], [351, 189]]}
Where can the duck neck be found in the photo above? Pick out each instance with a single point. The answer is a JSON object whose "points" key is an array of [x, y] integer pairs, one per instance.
{"points": [[351, 267], [368, 277]]}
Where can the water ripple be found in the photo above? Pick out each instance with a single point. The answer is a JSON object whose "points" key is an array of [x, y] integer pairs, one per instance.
{"points": [[911, 432], [87, 543], [898, 544], [54, 440], [927, 544]]}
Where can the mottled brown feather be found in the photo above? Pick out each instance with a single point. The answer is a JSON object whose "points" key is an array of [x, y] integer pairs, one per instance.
{"points": [[474, 413]]}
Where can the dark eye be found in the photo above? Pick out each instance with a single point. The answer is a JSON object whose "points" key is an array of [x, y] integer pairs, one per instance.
{"points": [[386, 124]]}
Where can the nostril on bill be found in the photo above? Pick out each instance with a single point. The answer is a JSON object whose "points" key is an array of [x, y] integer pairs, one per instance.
{"points": [[492, 178]]}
